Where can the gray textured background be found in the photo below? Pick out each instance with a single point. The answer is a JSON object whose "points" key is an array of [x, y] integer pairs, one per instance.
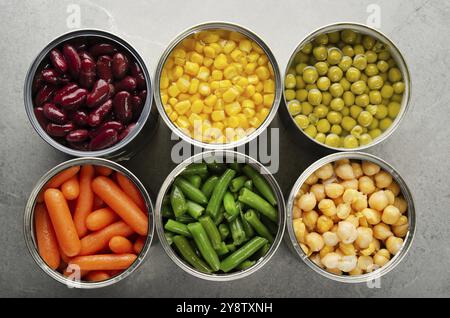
{"points": [[419, 149]]}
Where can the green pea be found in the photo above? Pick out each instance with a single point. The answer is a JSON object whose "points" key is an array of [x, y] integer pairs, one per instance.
{"points": [[307, 108], [371, 70], [334, 117], [300, 68], [313, 119], [332, 140], [345, 84], [323, 83], [382, 111], [350, 142], [372, 109], [320, 53], [385, 123], [349, 98], [310, 87], [314, 97], [399, 87], [320, 137], [310, 75], [334, 56], [335, 74], [383, 66], [336, 129], [345, 63], [374, 133], [337, 104], [345, 111], [348, 36], [384, 55], [348, 51], [334, 37], [365, 139], [311, 131], [393, 109], [299, 82], [294, 107], [289, 81], [355, 111], [362, 100], [323, 126], [301, 95], [368, 42], [374, 124], [322, 68], [394, 75], [301, 58], [397, 98], [348, 123], [321, 39], [387, 91], [307, 48], [360, 61], [371, 56], [365, 118], [358, 87], [375, 97], [353, 74], [356, 131], [378, 47], [359, 49], [289, 94], [302, 121], [326, 98], [375, 82], [336, 90]]}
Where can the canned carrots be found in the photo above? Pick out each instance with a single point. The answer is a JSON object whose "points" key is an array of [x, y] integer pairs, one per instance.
{"points": [[46, 237]]}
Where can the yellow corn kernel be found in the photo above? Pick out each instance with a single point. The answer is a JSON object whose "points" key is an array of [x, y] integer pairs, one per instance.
{"points": [[217, 75], [233, 108], [233, 121], [182, 122], [179, 52], [248, 112], [207, 109], [179, 61], [211, 100], [182, 107], [250, 90], [183, 96], [245, 45], [248, 103], [231, 94], [197, 106], [164, 98], [242, 82], [250, 68], [196, 58], [216, 47], [236, 36], [220, 61], [262, 114], [203, 74], [263, 60], [257, 48], [269, 86], [173, 116], [189, 44], [210, 37], [259, 87], [207, 61], [173, 90], [253, 57], [230, 72], [257, 98], [243, 122], [219, 105], [169, 63], [268, 99], [204, 89], [194, 119], [215, 85], [209, 52], [263, 73], [168, 109], [177, 72], [237, 55], [183, 84], [229, 46], [191, 68], [173, 101], [194, 97], [253, 79], [254, 122], [218, 125], [218, 115], [225, 84], [164, 81], [199, 47], [193, 86]]}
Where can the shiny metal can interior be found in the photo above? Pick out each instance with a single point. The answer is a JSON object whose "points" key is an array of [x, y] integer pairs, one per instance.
{"points": [[146, 124], [220, 156], [28, 226], [394, 261], [224, 26]]}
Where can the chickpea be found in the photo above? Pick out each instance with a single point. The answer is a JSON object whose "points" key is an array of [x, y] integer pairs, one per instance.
{"points": [[347, 249], [310, 219], [380, 259], [382, 231], [307, 202], [347, 263], [383, 179], [335, 271], [350, 184], [372, 216], [305, 249], [369, 250], [394, 187], [365, 262], [300, 230], [330, 238], [312, 179], [357, 271], [357, 169], [304, 188], [315, 258], [360, 203], [350, 195], [362, 220], [314, 241], [400, 230], [341, 162], [324, 224], [370, 168], [353, 219], [378, 200], [331, 260], [347, 232], [319, 191], [338, 201], [325, 250], [296, 212], [325, 172], [345, 171], [365, 237], [401, 204], [402, 221], [394, 244], [366, 185], [343, 210], [334, 228], [327, 207], [390, 196], [390, 215], [334, 190], [377, 244]]}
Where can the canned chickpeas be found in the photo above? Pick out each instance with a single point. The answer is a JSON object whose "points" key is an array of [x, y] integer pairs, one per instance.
{"points": [[346, 86], [217, 85], [88, 223], [351, 217]]}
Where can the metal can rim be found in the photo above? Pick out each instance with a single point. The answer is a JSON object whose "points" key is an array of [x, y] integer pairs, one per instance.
{"points": [[29, 105], [227, 26], [408, 240], [28, 225], [281, 215], [399, 57]]}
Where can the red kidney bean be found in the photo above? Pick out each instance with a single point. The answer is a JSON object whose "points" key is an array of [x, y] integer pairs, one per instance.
{"points": [[112, 90], [126, 131], [135, 69], [56, 130], [74, 99], [50, 76], [104, 70], [77, 135], [86, 55], [73, 60], [44, 95], [54, 114], [112, 124], [69, 88], [128, 83], [137, 105], [98, 95], [97, 116], [122, 107], [143, 95], [140, 81], [87, 73], [64, 79], [119, 65], [39, 114], [80, 118], [38, 81], [80, 44], [105, 139], [58, 60], [102, 49]]}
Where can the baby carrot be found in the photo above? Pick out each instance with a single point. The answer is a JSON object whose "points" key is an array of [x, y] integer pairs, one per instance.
{"points": [[139, 244], [97, 276], [71, 188], [64, 257], [103, 171], [98, 203], [62, 177], [97, 241], [121, 203], [46, 237], [85, 200], [101, 218], [103, 261], [120, 245], [131, 190], [65, 230]]}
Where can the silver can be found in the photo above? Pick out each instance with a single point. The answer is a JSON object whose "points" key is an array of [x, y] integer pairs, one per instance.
{"points": [[226, 156], [395, 53], [146, 123], [224, 26], [394, 261], [29, 233]]}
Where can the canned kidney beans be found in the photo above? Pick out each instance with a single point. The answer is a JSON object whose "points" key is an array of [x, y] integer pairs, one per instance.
{"points": [[88, 94]]}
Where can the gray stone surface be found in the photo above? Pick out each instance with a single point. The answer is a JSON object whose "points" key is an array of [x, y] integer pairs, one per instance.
{"points": [[419, 149]]}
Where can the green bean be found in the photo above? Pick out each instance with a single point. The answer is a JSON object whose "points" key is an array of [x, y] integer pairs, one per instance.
{"points": [[195, 169], [209, 185], [247, 227], [220, 216], [256, 202], [169, 237], [237, 231], [259, 227], [190, 191], [195, 180], [272, 227], [204, 245], [237, 183], [224, 231], [185, 219], [236, 166], [211, 230], [177, 227], [231, 208], [231, 247], [166, 211], [178, 201], [249, 184], [166, 200], [242, 254], [222, 250], [246, 264], [219, 191], [189, 255], [261, 184], [261, 252], [216, 167], [195, 210]]}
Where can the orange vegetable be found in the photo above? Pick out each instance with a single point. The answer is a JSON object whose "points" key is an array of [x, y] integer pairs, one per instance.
{"points": [[65, 230], [131, 190], [139, 244], [71, 188], [62, 177], [98, 203], [64, 257], [98, 241], [103, 171], [121, 203], [102, 262], [85, 200], [120, 245], [46, 238], [101, 218], [97, 276]]}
